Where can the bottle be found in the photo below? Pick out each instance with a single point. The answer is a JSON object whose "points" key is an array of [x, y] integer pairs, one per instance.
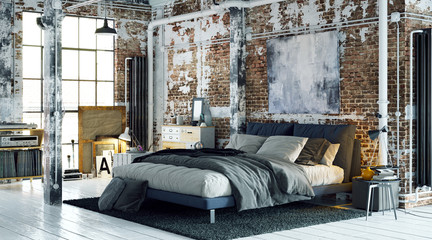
{"points": [[367, 174], [179, 120]]}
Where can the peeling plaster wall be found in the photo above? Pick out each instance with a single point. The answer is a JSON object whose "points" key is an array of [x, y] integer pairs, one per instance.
{"points": [[416, 6], [9, 100], [198, 68], [358, 67]]}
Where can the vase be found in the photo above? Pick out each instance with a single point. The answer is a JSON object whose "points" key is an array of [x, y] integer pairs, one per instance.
{"points": [[367, 174]]}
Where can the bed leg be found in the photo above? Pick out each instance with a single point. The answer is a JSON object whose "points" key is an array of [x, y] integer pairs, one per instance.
{"points": [[212, 216]]}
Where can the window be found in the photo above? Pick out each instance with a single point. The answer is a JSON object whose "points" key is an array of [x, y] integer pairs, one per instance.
{"points": [[87, 72]]}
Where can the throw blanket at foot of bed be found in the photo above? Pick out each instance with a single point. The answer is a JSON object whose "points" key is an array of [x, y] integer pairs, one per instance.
{"points": [[256, 181]]}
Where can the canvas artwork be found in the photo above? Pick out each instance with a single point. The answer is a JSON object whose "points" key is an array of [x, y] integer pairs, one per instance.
{"points": [[303, 74]]}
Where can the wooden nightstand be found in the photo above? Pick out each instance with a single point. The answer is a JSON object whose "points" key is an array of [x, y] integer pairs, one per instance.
{"points": [[183, 136]]}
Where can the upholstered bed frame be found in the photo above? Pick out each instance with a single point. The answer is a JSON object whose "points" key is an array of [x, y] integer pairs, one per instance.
{"points": [[348, 158]]}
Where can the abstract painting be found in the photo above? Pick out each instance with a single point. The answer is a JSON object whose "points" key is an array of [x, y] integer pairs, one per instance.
{"points": [[303, 74]]}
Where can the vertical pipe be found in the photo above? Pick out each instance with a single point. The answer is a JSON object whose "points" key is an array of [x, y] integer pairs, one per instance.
{"points": [[426, 172], [13, 54], [150, 87], [398, 113], [125, 84], [383, 59]]}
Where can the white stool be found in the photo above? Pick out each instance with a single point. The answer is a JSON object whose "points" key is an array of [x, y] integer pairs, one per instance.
{"points": [[380, 184]]}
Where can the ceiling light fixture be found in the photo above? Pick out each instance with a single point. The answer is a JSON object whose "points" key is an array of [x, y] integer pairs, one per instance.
{"points": [[105, 30]]}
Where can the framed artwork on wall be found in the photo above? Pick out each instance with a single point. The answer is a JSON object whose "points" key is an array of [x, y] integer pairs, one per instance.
{"points": [[303, 74]]}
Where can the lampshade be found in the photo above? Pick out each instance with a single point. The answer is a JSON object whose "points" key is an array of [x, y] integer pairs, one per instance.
{"points": [[373, 134], [125, 136], [106, 30]]}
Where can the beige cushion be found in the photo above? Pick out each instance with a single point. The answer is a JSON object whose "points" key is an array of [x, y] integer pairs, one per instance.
{"points": [[246, 142], [330, 154], [285, 147]]}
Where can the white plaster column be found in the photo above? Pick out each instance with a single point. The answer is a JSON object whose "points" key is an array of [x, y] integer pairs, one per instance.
{"points": [[383, 81]]}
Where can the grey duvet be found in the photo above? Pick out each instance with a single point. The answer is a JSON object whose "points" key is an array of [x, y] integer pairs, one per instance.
{"points": [[256, 181]]}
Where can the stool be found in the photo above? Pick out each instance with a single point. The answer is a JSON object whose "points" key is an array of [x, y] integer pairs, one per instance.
{"points": [[380, 184]]}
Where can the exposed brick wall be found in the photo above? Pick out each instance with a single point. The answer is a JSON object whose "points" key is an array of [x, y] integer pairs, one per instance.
{"points": [[196, 68], [358, 69]]}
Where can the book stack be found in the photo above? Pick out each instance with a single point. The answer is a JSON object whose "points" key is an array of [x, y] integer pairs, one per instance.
{"points": [[72, 174], [384, 175]]}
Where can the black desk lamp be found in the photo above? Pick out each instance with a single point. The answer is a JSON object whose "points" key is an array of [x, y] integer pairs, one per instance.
{"points": [[373, 134]]}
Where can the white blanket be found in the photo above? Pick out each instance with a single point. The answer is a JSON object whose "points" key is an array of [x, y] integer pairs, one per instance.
{"points": [[206, 183]]}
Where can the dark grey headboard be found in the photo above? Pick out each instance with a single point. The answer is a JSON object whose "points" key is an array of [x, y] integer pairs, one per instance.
{"points": [[356, 159], [348, 156]]}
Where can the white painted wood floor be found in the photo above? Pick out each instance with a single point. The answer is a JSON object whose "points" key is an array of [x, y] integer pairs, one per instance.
{"points": [[23, 215]]}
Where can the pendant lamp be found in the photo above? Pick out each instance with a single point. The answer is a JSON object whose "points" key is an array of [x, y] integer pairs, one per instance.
{"points": [[105, 30]]}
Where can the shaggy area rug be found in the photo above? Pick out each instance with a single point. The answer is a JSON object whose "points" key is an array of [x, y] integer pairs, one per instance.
{"points": [[229, 224]]}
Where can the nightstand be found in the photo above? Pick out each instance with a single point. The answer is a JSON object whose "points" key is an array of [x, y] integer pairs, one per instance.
{"points": [[375, 195], [185, 137]]}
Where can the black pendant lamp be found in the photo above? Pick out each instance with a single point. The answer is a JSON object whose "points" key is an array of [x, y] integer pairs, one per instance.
{"points": [[105, 30]]}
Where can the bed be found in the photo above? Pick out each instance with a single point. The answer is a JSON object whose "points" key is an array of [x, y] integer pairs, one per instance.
{"points": [[211, 190]]}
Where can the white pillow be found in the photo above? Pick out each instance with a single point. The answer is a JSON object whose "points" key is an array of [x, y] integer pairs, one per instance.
{"points": [[246, 142], [285, 147], [330, 154]]}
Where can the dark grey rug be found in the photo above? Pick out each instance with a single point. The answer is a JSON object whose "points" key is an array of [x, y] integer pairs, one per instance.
{"points": [[229, 224]]}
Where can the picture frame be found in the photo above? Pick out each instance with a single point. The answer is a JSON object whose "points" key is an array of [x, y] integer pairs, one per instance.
{"points": [[197, 110]]}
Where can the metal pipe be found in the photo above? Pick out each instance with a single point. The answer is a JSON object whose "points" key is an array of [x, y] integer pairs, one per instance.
{"points": [[125, 85], [383, 81], [13, 49], [411, 108], [56, 113], [150, 104], [308, 30], [418, 19], [416, 14], [336, 24], [398, 113]]}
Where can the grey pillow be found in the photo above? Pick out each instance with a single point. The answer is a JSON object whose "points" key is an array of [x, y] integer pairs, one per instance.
{"points": [[283, 147], [111, 194], [313, 151], [246, 142], [132, 197]]}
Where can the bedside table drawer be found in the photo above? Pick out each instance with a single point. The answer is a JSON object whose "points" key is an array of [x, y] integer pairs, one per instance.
{"points": [[190, 135], [171, 137], [173, 145], [170, 130]]}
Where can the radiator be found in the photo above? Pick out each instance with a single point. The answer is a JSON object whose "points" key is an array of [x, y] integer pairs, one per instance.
{"points": [[423, 63], [138, 99]]}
